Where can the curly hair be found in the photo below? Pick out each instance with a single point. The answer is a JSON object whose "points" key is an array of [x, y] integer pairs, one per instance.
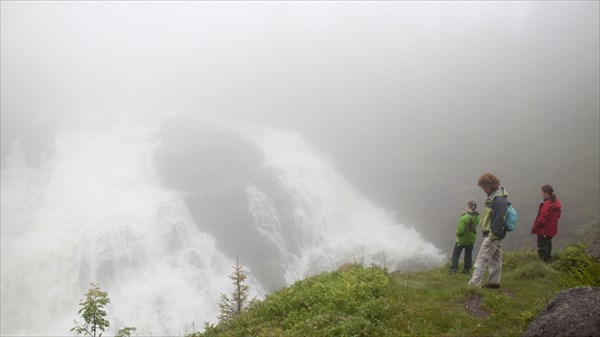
{"points": [[488, 180]]}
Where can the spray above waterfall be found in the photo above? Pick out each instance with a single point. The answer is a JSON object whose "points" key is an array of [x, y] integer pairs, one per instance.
{"points": [[156, 213]]}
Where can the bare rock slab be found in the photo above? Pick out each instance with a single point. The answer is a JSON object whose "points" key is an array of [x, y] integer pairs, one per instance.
{"points": [[574, 312]]}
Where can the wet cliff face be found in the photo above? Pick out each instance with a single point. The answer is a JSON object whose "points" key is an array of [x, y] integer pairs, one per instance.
{"points": [[212, 165]]}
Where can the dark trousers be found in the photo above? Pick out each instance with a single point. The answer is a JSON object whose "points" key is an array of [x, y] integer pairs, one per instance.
{"points": [[456, 255], [544, 244]]}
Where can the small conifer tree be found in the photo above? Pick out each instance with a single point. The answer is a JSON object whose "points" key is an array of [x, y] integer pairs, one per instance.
{"points": [[238, 301]]}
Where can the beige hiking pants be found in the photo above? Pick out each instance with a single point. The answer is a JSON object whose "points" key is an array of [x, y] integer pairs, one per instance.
{"points": [[489, 256]]}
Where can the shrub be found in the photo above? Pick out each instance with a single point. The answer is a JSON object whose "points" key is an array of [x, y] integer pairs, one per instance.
{"points": [[576, 268], [341, 303]]}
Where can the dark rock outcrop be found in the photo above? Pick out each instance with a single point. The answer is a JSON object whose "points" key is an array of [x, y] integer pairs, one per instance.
{"points": [[574, 312]]}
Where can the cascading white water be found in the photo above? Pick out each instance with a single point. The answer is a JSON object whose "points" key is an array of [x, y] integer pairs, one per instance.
{"points": [[98, 211], [327, 218]]}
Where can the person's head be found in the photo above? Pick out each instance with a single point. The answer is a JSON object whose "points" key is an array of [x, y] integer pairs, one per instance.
{"points": [[471, 205], [488, 182], [547, 191]]}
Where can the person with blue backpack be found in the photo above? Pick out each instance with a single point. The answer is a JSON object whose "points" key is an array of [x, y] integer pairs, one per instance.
{"points": [[493, 226]]}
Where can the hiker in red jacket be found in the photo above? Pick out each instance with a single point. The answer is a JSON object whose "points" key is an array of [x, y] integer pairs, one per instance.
{"points": [[546, 222]]}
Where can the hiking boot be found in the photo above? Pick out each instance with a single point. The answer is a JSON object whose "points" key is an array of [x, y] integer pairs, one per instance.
{"points": [[491, 286], [465, 271], [452, 272]]}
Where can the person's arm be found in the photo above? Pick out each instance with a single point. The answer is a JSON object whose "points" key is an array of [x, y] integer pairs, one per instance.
{"points": [[475, 223]]}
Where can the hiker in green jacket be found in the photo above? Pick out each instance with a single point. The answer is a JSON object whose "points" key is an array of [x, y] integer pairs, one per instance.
{"points": [[465, 237]]}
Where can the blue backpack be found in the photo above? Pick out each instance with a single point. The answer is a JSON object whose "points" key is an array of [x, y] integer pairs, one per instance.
{"points": [[511, 218]]}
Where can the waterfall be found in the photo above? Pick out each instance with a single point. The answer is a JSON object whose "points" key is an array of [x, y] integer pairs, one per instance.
{"points": [[101, 209], [96, 213], [329, 221]]}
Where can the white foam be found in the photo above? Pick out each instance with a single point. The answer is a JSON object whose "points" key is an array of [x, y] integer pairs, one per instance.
{"points": [[96, 212]]}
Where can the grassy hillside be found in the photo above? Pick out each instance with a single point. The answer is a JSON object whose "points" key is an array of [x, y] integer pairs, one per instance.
{"points": [[367, 301]]}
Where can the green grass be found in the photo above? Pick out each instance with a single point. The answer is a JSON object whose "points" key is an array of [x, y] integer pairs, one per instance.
{"points": [[367, 301]]}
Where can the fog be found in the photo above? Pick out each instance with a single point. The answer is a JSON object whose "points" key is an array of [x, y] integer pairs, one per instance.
{"points": [[407, 102]]}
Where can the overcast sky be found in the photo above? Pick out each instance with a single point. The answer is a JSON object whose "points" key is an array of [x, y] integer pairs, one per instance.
{"points": [[269, 61]]}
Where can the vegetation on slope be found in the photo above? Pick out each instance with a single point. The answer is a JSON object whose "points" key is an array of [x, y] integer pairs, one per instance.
{"points": [[367, 301]]}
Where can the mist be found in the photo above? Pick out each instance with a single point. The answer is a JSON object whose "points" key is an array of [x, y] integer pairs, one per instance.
{"points": [[397, 107]]}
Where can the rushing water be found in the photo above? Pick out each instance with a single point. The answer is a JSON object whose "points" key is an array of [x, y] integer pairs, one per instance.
{"points": [[156, 212]]}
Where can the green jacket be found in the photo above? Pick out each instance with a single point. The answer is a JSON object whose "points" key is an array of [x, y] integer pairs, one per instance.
{"points": [[465, 230]]}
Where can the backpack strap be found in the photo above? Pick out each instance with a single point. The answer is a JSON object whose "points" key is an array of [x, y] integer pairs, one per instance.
{"points": [[470, 227]]}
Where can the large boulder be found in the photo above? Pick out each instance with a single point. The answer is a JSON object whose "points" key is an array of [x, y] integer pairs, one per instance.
{"points": [[574, 312]]}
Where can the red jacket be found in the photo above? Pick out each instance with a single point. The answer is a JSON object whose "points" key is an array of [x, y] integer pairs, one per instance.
{"points": [[546, 222]]}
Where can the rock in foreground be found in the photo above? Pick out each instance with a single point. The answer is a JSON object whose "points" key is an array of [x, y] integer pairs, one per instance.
{"points": [[573, 312]]}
